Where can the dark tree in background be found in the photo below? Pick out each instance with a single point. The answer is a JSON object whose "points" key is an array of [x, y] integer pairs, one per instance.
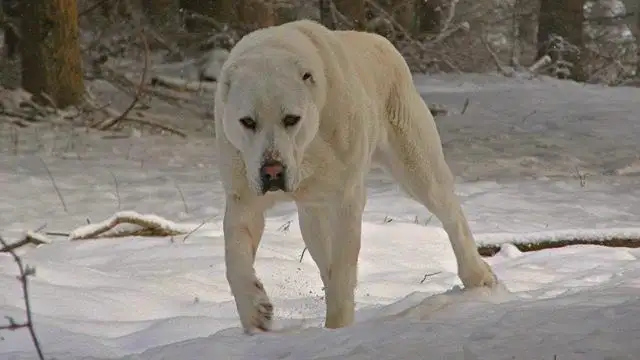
{"points": [[325, 14], [51, 62], [403, 11], [161, 13], [353, 10], [112, 9], [10, 12], [223, 11], [257, 13], [429, 16], [564, 18], [638, 37]]}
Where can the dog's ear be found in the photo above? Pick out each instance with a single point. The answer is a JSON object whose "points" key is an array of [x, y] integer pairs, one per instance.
{"points": [[224, 82], [222, 91]]}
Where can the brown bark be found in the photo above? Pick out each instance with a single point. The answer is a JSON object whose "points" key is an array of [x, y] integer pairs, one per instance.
{"points": [[161, 13], [222, 11], [430, 15], [51, 62], [638, 38], [353, 10], [284, 14], [325, 14], [256, 13], [112, 9], [10, 13], [563, 18], [404, 11]]}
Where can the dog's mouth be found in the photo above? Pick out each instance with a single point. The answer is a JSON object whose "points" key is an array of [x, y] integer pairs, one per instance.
{"points": [[274, 185]]}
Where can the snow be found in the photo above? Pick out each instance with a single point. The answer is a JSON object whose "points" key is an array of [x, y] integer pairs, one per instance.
{"points": [[524, 176]]}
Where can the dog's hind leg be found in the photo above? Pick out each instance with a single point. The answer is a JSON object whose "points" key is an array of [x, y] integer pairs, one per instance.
{"points": [[413, 154]]}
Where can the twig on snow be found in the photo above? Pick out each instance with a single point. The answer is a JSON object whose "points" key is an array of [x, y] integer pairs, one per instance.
{"points": [[467, 101], [117, 188], [25, 272], [286, 226], [197, 228], [582, 177], [31, 237], [429, 275], [184, 201], [55, 186]]}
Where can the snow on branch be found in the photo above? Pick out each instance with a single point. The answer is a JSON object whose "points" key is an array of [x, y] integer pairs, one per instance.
{"points": [[31, 237], [129, 223]]}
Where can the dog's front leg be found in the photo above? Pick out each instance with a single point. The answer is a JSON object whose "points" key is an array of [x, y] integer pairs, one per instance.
{"points": [[345, 248], [243, 228]]}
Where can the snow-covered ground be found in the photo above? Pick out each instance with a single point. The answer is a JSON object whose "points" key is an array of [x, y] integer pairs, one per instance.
{"points": [[161, 298]]}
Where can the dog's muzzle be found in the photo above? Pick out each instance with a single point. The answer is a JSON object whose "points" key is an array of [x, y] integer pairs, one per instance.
{"points": [[273, 176]]}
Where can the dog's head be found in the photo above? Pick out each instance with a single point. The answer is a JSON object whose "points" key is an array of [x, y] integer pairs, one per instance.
{"points": [[269, 100]]}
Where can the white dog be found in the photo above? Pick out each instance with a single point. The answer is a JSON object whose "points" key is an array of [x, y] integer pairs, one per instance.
{"points": [[302, 113]]}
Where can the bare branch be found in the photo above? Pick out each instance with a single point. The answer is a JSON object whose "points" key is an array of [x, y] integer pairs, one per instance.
{"points": [[198, 227], [30, 238], [55, 186], [447, 23], [408, 36], [117, 187], [503, 70], [540, 63], [143, 78], [302, 254], [181, 84], [25, 272], [184, 201], [139, 225]]}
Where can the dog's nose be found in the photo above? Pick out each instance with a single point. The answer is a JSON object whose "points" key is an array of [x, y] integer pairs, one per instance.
{"points": [[272, 175]]}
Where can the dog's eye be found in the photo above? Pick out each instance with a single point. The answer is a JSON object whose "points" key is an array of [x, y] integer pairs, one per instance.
{"points": [[307, 77], [290, 120], [248, 123]]}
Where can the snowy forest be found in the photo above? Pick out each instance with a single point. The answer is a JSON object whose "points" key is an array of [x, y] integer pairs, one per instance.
{"points": [[74, 53], [112, 241]]}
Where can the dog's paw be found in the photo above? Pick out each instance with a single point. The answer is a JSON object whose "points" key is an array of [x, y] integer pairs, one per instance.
{"points": [[479, 274], [264, 315], [259, 316]]}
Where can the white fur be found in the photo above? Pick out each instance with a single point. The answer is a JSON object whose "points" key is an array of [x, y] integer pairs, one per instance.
{"points": [[360, 107]]}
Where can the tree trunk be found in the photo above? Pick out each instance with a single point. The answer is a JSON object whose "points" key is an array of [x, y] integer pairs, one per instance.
{"points": [[51, 61], [222, 11], [430, 15], [112, 9], [353, 10], [564, 18], [638, 38], [404, 11], [11, 12], [161, 13], [326, 17], [256, 13]]}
